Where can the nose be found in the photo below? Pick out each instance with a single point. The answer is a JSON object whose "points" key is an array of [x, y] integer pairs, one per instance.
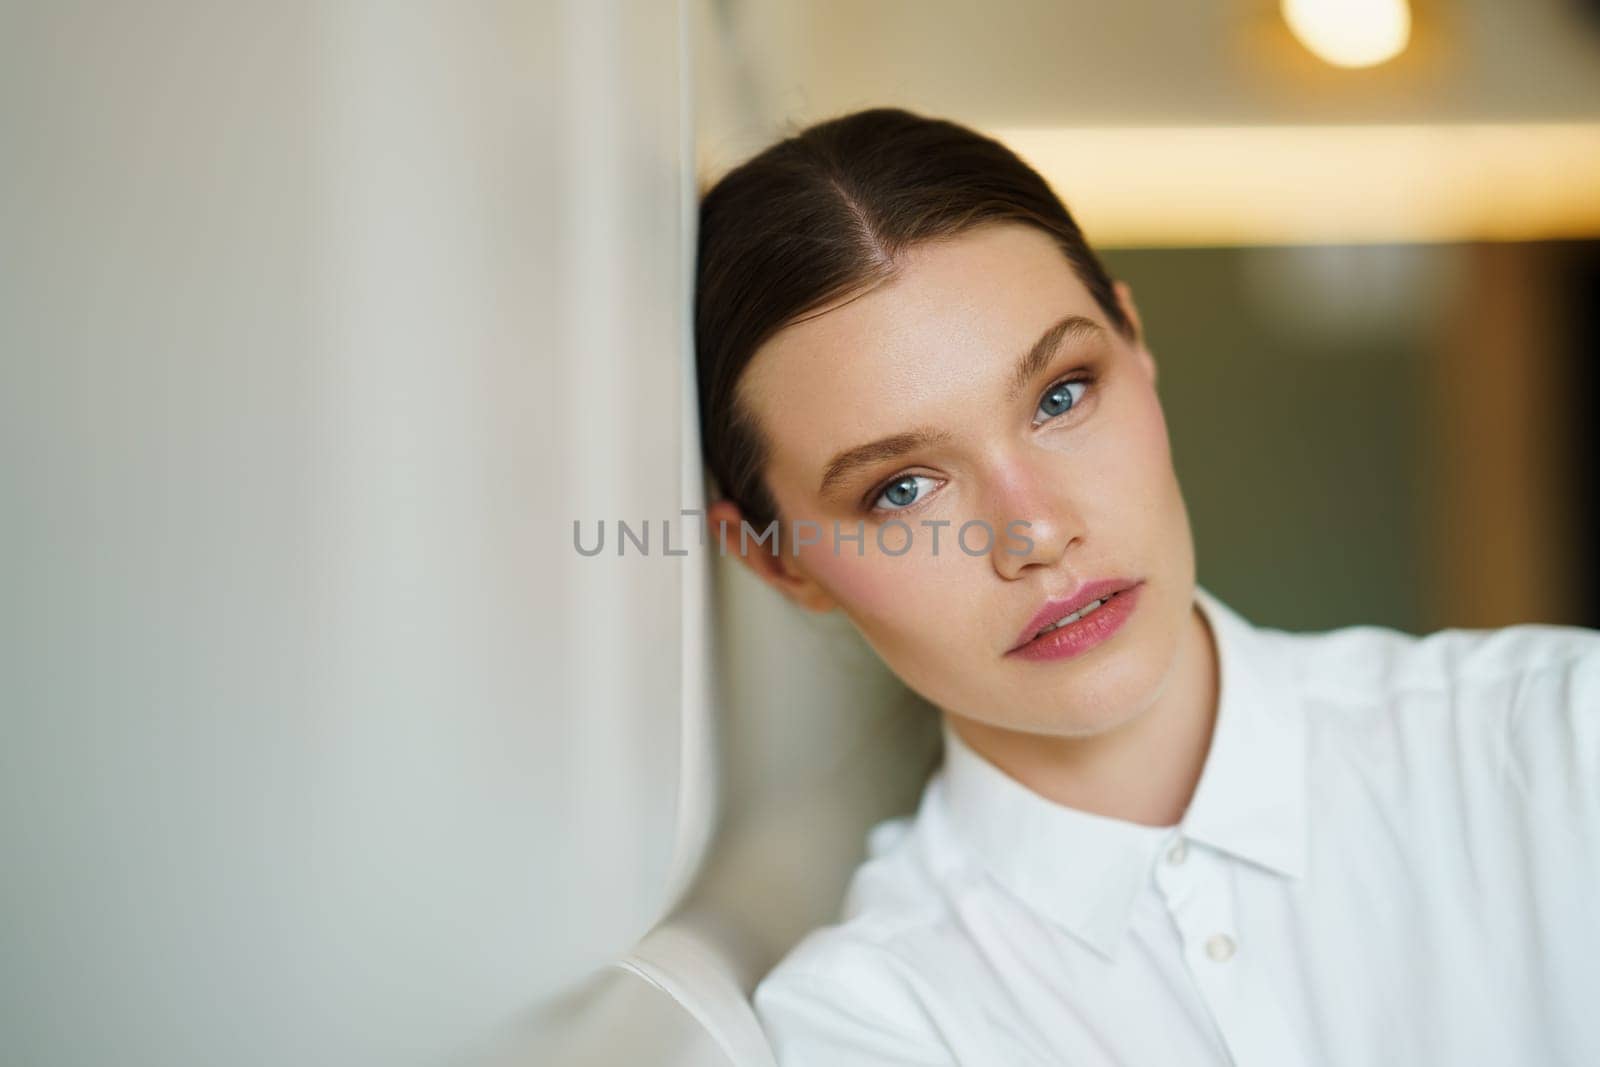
{"points": [[1035, 515]]}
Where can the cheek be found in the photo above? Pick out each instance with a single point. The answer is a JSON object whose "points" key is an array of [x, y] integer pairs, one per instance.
{"points": [[858, 584], [1166, 516], [891, 599], [1143, 454]]}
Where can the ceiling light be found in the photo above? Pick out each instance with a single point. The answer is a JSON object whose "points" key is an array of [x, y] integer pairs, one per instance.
{"points": [[1350, 33]]}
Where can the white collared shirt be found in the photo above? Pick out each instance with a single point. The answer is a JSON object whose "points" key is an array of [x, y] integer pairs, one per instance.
{"points": [[1392, 857]]}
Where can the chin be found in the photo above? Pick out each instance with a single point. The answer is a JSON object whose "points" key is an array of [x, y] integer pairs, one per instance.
{"points": [[1058, 717], [1088, 721], [1090, 725], [1110, 695], [1061, 725]]}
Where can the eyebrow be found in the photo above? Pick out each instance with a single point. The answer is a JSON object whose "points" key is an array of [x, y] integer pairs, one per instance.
{"points": [[1076, 327], [1028, 367], [842, 465]]}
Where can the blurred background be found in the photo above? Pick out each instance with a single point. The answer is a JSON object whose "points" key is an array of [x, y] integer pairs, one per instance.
{"points": [[1362, 236], [322, 324]]}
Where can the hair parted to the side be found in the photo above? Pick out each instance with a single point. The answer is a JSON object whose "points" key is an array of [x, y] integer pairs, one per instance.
{"points": [[825, 214]]}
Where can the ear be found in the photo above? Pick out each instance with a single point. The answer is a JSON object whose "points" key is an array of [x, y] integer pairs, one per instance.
{"points": [[781, 571], [1125, 301]]}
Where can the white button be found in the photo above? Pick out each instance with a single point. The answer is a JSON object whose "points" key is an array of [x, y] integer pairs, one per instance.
{"points": [[1219, 947], [1177, 853]]}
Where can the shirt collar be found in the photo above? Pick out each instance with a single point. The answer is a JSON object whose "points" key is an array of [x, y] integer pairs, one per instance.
{"points": [[1086, 871], [1251, 799]]}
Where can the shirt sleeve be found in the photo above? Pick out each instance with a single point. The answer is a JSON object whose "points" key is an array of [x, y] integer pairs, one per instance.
{"points": [[847, 1005]]}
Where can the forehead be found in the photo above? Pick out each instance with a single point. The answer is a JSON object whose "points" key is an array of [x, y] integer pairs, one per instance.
{"points": [[934, 345]]}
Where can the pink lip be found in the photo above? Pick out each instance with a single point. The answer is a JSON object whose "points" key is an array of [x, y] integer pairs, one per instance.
{"points": [[1086, 632]]}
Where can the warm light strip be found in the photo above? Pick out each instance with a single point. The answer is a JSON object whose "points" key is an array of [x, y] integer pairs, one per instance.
{"points": [[1232, 185]]}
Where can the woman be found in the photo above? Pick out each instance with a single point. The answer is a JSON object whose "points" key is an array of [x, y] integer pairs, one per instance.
{"points": [[1161, 835]]}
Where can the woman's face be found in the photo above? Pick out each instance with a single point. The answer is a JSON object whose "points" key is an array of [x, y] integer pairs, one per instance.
{"points": [[1086, 464]]}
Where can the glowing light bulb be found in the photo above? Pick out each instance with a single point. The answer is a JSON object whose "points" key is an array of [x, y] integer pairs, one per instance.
{"points": [[1350, 33]]}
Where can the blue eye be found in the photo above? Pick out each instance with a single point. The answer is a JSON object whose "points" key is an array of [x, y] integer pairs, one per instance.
{"points": [[901, 493], [1060, 398]]}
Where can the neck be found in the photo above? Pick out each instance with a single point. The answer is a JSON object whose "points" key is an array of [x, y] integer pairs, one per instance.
{"points": [[1144, 770]]}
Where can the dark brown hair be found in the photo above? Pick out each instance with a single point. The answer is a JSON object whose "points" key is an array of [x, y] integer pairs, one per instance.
{"points": [[825, 214]]}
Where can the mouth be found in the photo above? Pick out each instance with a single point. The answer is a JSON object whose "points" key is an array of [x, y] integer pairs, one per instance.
{"points": [[1084, 603]]}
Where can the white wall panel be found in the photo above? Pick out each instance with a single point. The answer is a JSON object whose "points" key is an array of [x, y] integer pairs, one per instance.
{"points": [[319, 325]]}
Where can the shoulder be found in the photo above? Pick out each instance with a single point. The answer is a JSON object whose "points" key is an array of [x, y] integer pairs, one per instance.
{"points": [[897, 899], [1368, 662], [841, 998], [853, 991], [1521, 703]]}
